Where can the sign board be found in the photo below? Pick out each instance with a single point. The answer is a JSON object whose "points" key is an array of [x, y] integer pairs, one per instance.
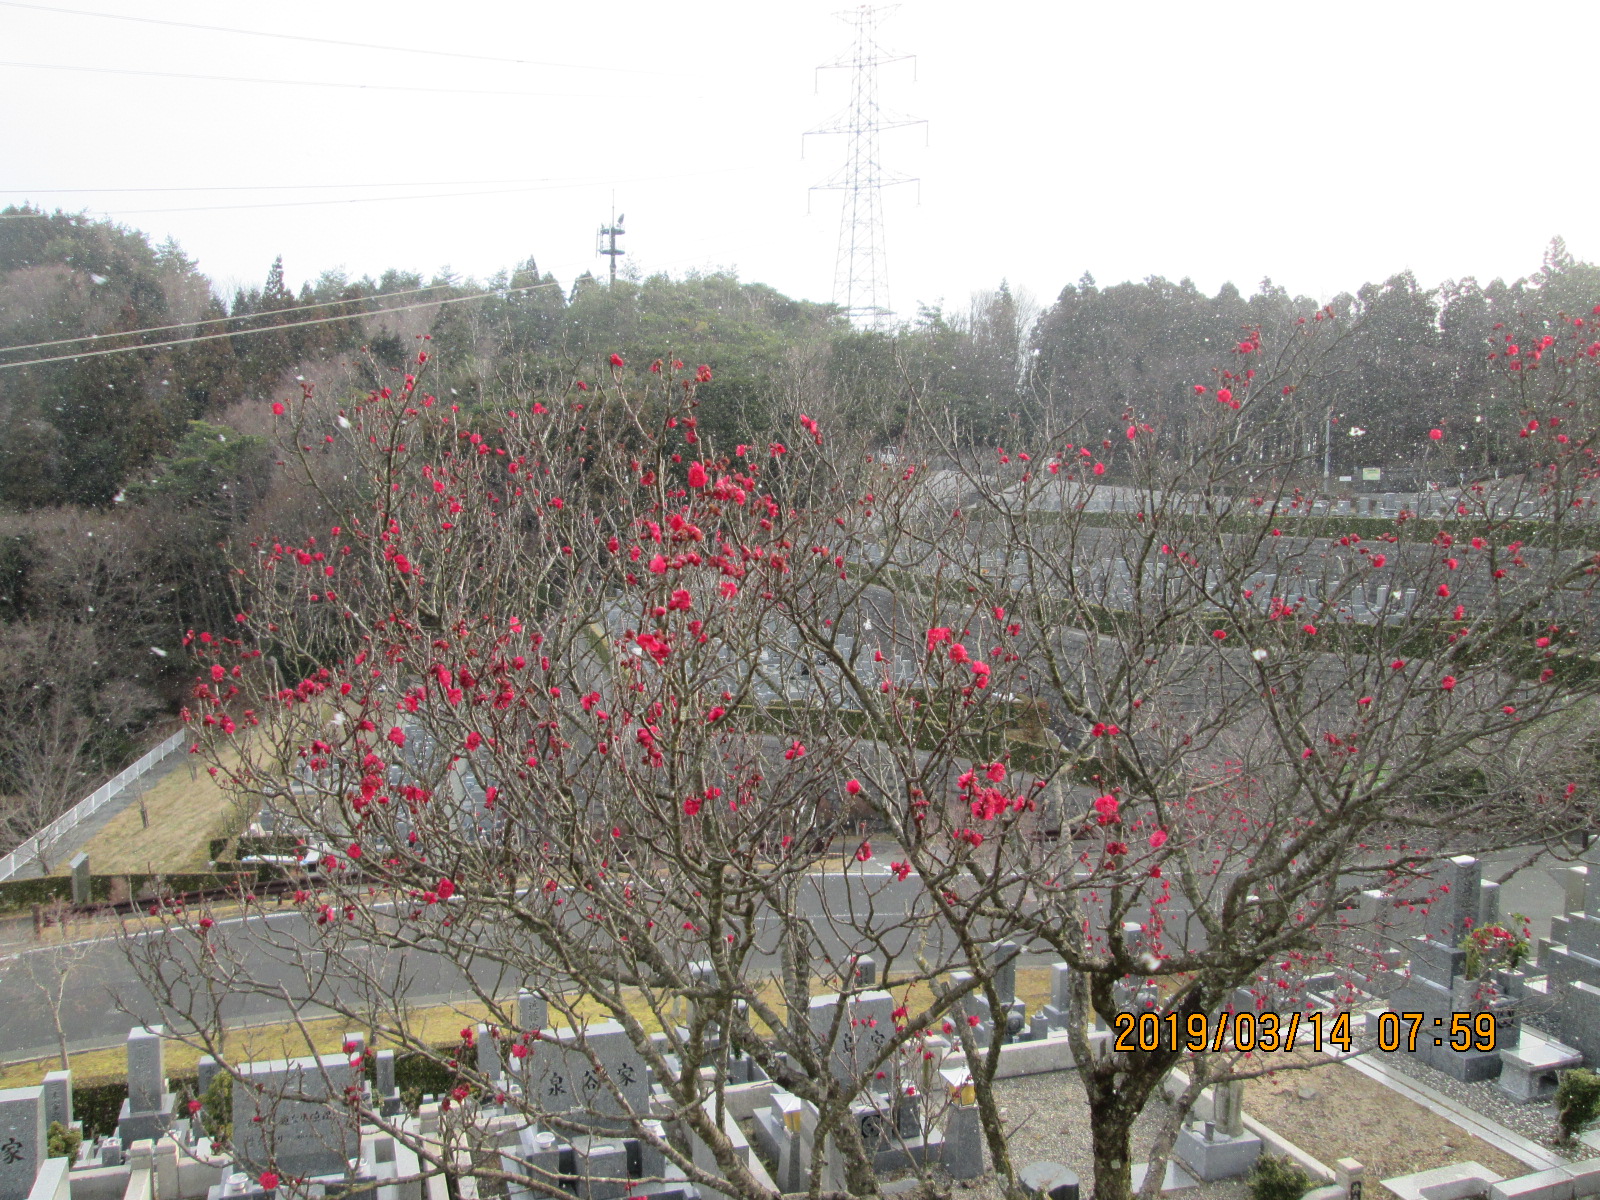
{"points": [[1371, 474]]}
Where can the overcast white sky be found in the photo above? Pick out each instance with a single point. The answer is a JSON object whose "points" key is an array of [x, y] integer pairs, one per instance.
{"points": [[1321, 144]]}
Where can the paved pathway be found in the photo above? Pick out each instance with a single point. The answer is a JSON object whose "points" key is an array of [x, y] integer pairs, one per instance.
{"points": [[80, 835]]}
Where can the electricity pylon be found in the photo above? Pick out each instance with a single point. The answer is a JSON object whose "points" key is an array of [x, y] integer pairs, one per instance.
{"points": [[861, 269]]}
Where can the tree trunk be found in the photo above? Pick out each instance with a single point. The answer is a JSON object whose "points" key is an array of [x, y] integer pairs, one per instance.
{"points": [[1112, 1128]]}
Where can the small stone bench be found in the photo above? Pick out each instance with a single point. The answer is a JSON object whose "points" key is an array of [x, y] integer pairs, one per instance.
{"points": [[1528, 1070], [1458, 1181]]}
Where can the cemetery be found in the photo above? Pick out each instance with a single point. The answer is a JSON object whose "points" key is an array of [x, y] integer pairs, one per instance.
{"points": [[297, 1127]]}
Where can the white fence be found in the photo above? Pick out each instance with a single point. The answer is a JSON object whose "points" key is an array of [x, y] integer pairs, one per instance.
{"points": [[85, 808]]}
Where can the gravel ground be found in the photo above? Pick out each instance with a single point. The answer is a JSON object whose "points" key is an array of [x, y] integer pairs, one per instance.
{"points": [[1536, 1122], [1048, 1120]]}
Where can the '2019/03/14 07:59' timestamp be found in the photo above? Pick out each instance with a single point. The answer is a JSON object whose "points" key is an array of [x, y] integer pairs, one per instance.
{"points": [[1269, 1033]]}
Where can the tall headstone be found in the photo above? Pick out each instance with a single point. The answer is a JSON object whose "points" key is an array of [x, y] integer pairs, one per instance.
{"points": [[973, 1004], [563, 1077], [1436, 963], [383, 1073], [148, 1111], [861, 1031], [1488, 903], [147, 1076], [533, 1012], [205, 1070], [1060, 995], [289, 1115], [1004, 960], [866, 971], [488, 1047], [58, 1099], [1229, 1107], [81, 884], [22, 1140]]}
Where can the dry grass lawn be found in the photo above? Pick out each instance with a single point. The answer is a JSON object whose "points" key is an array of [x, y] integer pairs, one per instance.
{"points": [[187, 809]]}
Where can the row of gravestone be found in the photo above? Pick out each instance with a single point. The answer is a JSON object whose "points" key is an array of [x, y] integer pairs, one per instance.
{"points": [[286, 1115]]}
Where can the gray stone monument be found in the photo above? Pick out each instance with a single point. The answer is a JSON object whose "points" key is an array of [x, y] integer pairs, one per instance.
{"points": [[289, 1115], [148, 1110], [1435, 988], [1219, 1149], [1003, 960], [58, 1099], [533, 1012], [563, 1078], [1060, 996], [81, 886], [205, 1070], [866, 971], [488, 1048], [973, 1004], [22, 1140], [963, 1142], [861, 1032], [383, 1073]]}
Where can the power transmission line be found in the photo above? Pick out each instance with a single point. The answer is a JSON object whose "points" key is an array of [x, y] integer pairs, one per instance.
{"points": [[89, 337], [279, 187], [298, 37], [139, 212], [547, 187], [299, 83], [861, 267], [211, 337]]}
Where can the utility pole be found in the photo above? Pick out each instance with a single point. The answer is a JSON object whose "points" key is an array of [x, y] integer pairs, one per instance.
{"points": [[609, 247], [861, 269], [1327, 451]]}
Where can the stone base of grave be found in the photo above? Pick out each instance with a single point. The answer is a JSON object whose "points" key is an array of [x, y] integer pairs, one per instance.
{"points": [[136, 1127], [1217, 1157], [1528, 1070], [600, 1158], [962, 1155], [916, 1152], [1176, 1179], [238, 1185], [1437, 1006], [1049, 1181]]}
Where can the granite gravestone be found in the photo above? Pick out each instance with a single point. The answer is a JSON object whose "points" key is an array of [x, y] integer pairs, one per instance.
{"points": [[148, 1110], [79, 866], [1060, 996], [533, 1011], [58, 1099], [488, 1048], [1003, 961], [289, 1115], [1436, 963], [563, 1077], [22, 1140], [973, 1004], [853, 1036]]}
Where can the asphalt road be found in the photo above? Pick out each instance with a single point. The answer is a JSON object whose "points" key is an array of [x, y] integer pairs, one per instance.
{"points": [[105, 998]]}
